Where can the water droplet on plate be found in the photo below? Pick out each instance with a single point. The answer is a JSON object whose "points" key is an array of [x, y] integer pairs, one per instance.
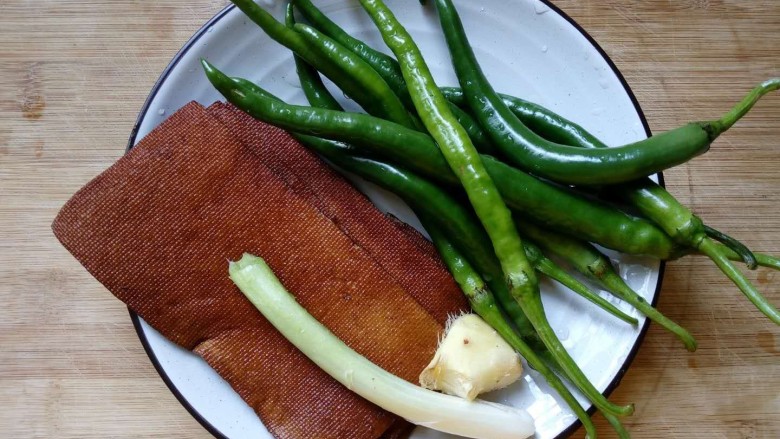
{"points": [[544, 49], [161, 111], [604, 83], [540, 8]]}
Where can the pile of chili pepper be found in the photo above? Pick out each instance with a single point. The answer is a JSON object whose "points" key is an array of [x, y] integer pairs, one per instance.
{"points": [[491, 178]]}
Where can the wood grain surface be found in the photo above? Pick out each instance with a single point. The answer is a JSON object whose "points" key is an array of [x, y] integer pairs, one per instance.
{"points": [[73, 75]]}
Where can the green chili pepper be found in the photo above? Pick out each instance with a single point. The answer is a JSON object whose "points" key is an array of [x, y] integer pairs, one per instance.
{"points": [[559, 129], [355, 69], [565, 163], [361, 91], [383, 64], [655, 202], [311, 83], [539, 119], [547, 203]]}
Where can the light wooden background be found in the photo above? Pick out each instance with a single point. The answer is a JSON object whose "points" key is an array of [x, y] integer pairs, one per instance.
{"points": [[74, 73]]}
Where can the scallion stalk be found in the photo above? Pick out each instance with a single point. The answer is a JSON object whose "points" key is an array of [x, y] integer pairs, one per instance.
{"points": [[419, 406]]}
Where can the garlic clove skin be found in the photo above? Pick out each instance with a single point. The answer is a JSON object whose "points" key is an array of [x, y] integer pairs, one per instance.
{"points": [[471, 359]]}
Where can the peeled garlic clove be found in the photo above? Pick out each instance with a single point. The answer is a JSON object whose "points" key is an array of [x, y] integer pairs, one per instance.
{"points": [[471, 359]]}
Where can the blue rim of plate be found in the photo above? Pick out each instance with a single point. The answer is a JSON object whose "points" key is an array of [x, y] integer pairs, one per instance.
{"points": [[204, 29]]}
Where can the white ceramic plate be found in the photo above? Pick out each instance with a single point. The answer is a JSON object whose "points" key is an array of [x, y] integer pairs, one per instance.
{"points": [[527, 48]]}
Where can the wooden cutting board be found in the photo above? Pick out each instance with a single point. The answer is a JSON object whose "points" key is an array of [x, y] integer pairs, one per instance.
{"points": [[74, 74]]}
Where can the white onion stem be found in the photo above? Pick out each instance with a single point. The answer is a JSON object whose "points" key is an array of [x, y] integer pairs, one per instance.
{"points": [[474, 419]]}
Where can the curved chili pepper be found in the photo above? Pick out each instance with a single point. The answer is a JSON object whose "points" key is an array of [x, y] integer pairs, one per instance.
{"points": [[657, 204], [565, 163]]}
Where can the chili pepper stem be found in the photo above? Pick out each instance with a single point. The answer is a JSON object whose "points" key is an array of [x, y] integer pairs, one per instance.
{"points": [[767, 261], [737, 247], [762, 259], [712, 250], [614, 283], [613, 420], [552, 359], [532, 307], [537, 364], [549, 269], [617, 426], [735, 114], [593, 264]]}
